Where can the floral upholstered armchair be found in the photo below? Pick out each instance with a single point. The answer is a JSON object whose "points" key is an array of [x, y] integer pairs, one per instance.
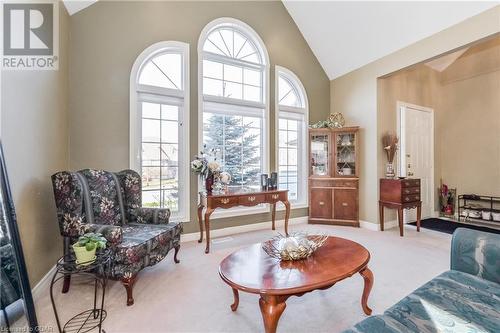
{"points": [[110, 203]]}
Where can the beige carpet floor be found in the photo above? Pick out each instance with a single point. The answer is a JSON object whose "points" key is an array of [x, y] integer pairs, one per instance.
{"points": [[190, 296]]}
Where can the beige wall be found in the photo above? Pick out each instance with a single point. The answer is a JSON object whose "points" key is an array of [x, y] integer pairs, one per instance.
{"points": [[469, 121], [35, 140], [107, 37], [355, 94]]}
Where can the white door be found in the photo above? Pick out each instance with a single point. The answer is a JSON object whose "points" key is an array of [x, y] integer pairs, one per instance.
{"points": [[416, 129]]}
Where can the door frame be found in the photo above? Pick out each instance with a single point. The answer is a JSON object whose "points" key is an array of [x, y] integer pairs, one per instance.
{"points": [[400, 107]]}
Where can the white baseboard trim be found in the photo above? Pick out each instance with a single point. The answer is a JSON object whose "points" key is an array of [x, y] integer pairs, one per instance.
{"points": [[376, 226], [43, 284], [243, 228]]}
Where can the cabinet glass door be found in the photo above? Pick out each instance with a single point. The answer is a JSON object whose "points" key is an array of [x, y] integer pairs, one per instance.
{"points": [[319, 154], [345, 156]]}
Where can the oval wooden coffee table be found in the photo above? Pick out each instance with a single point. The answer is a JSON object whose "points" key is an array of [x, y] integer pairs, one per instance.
{"points": [[251, 270]]}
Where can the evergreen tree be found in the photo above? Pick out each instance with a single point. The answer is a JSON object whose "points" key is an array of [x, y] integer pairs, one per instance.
{"points": [[241, 147]]}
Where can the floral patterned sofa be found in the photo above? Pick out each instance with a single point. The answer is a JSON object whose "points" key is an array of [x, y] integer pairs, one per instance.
{"points": [[110, 203], [465, 299]]}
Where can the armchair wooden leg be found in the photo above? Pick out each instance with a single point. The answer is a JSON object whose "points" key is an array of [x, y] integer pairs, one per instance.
{"points": [[177, 248], [128, 283]]}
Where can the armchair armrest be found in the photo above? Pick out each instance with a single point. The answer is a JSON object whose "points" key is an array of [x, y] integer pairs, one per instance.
{"points": [[73, 226], [151, 215], [476, 253]]}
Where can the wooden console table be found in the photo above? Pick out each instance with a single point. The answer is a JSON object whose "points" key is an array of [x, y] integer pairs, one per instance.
{"points": [[239, 198], [400, 194]]}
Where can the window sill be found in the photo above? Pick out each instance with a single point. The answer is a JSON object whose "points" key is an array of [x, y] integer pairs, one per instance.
{"points": [[238, 211]]}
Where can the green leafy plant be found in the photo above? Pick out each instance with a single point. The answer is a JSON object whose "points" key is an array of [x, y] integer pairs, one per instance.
{"points": [[92, 241]]}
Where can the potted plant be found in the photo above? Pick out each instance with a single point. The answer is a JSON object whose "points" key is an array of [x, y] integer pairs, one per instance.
{"points": [[86, 247]]}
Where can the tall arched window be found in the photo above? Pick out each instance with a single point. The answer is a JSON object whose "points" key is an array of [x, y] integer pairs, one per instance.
{"points": [[233, 99], [159, 125], [292, 120]]}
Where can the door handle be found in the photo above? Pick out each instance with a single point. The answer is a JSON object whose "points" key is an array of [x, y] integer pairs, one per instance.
{"points": [[410, 173]]}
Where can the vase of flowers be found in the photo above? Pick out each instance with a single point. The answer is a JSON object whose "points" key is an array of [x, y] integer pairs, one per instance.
{"points": [[207, 167], [390, 144]]}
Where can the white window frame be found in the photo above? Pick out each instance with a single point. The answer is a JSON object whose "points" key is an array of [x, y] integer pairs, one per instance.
{"points": [[248, 31], [302, 166], [141, 92]]}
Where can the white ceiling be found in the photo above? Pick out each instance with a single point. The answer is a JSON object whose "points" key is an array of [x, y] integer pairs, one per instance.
{"points": [[347, 35], [74, 6]]}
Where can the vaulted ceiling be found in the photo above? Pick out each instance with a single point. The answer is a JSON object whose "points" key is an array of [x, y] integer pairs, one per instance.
{"points": [[346, 35]]}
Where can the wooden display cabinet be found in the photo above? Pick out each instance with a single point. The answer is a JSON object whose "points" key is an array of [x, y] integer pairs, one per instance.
{"points": [[333, 176]]}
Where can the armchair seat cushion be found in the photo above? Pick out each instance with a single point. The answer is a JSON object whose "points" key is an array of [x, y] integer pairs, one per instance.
{"points": [[146, 244]]}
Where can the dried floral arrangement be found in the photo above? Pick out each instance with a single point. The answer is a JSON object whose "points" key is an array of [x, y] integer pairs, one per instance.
{"points": [[390, 144], [296, 246]]}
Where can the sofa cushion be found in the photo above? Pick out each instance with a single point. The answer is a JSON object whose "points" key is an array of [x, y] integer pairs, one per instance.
{"points": [[451, 302], [377, 324], [142, 241]]}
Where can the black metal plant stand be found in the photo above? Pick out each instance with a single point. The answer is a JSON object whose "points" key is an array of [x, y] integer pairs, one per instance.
{"points": [[90, 319]]}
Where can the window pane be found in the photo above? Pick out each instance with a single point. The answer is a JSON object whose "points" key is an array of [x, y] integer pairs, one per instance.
{"points": [[290, 156], [239, 140], [150, 154], [151, 198], [150, 110], [252, 77], [212, 87], [212, 69], [150, 130], [232, 44], [164, 71], [169, 112], [288, 92], [169, 131], [233, 90], [251, 93], [150, 178], [233, 73], [169, 154]]}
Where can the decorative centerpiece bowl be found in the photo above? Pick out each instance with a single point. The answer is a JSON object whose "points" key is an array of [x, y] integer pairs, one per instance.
{"points": [[296, 246]]}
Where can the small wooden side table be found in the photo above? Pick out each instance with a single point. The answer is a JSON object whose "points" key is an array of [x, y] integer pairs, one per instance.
{"points": [[400, 194], [239, 198]]}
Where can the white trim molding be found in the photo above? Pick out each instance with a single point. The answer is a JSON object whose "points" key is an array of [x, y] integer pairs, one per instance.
{"points": [[165, 95], [376, 226]]}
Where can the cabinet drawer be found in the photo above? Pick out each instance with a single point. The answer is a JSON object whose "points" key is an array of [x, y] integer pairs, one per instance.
{"points": [[345, 204], [411, 198], [346, 183], [273, 197], [320, 203], [252, 199], [410, 182], [410, 190], [223, 201]]}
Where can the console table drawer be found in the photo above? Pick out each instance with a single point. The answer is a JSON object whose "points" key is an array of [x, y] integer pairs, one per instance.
{"points": [[224, 201], [353, 183], [252, 199], [411, 198], [410, 182], [273, 197], [410, 190]]}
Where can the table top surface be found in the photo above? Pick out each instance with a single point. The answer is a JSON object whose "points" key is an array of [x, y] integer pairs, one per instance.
{"points": [[240, 192], [250, 269]]}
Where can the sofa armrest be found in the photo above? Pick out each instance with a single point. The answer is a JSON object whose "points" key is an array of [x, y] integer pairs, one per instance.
{"points": [[147, 215], [74, 226], [112, 233], [477, 253]]}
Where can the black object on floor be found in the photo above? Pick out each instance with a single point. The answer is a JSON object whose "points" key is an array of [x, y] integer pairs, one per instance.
{"points": [[450, 226]]}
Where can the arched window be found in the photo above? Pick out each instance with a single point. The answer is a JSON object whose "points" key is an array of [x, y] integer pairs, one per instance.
{"points": [[292, 119], [159, 125], [233, 99]]}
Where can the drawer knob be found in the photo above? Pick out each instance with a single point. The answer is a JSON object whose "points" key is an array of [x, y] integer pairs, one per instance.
{"points": [[417, 190], [321, 203], [224, 201], [345, 204], [407, 191], [251, 199], [275, 196], [407, 183], [417, 197], [407, 199]]}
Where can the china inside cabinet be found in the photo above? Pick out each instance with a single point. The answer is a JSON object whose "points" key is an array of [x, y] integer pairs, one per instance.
{"points": [[333, 176]]}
